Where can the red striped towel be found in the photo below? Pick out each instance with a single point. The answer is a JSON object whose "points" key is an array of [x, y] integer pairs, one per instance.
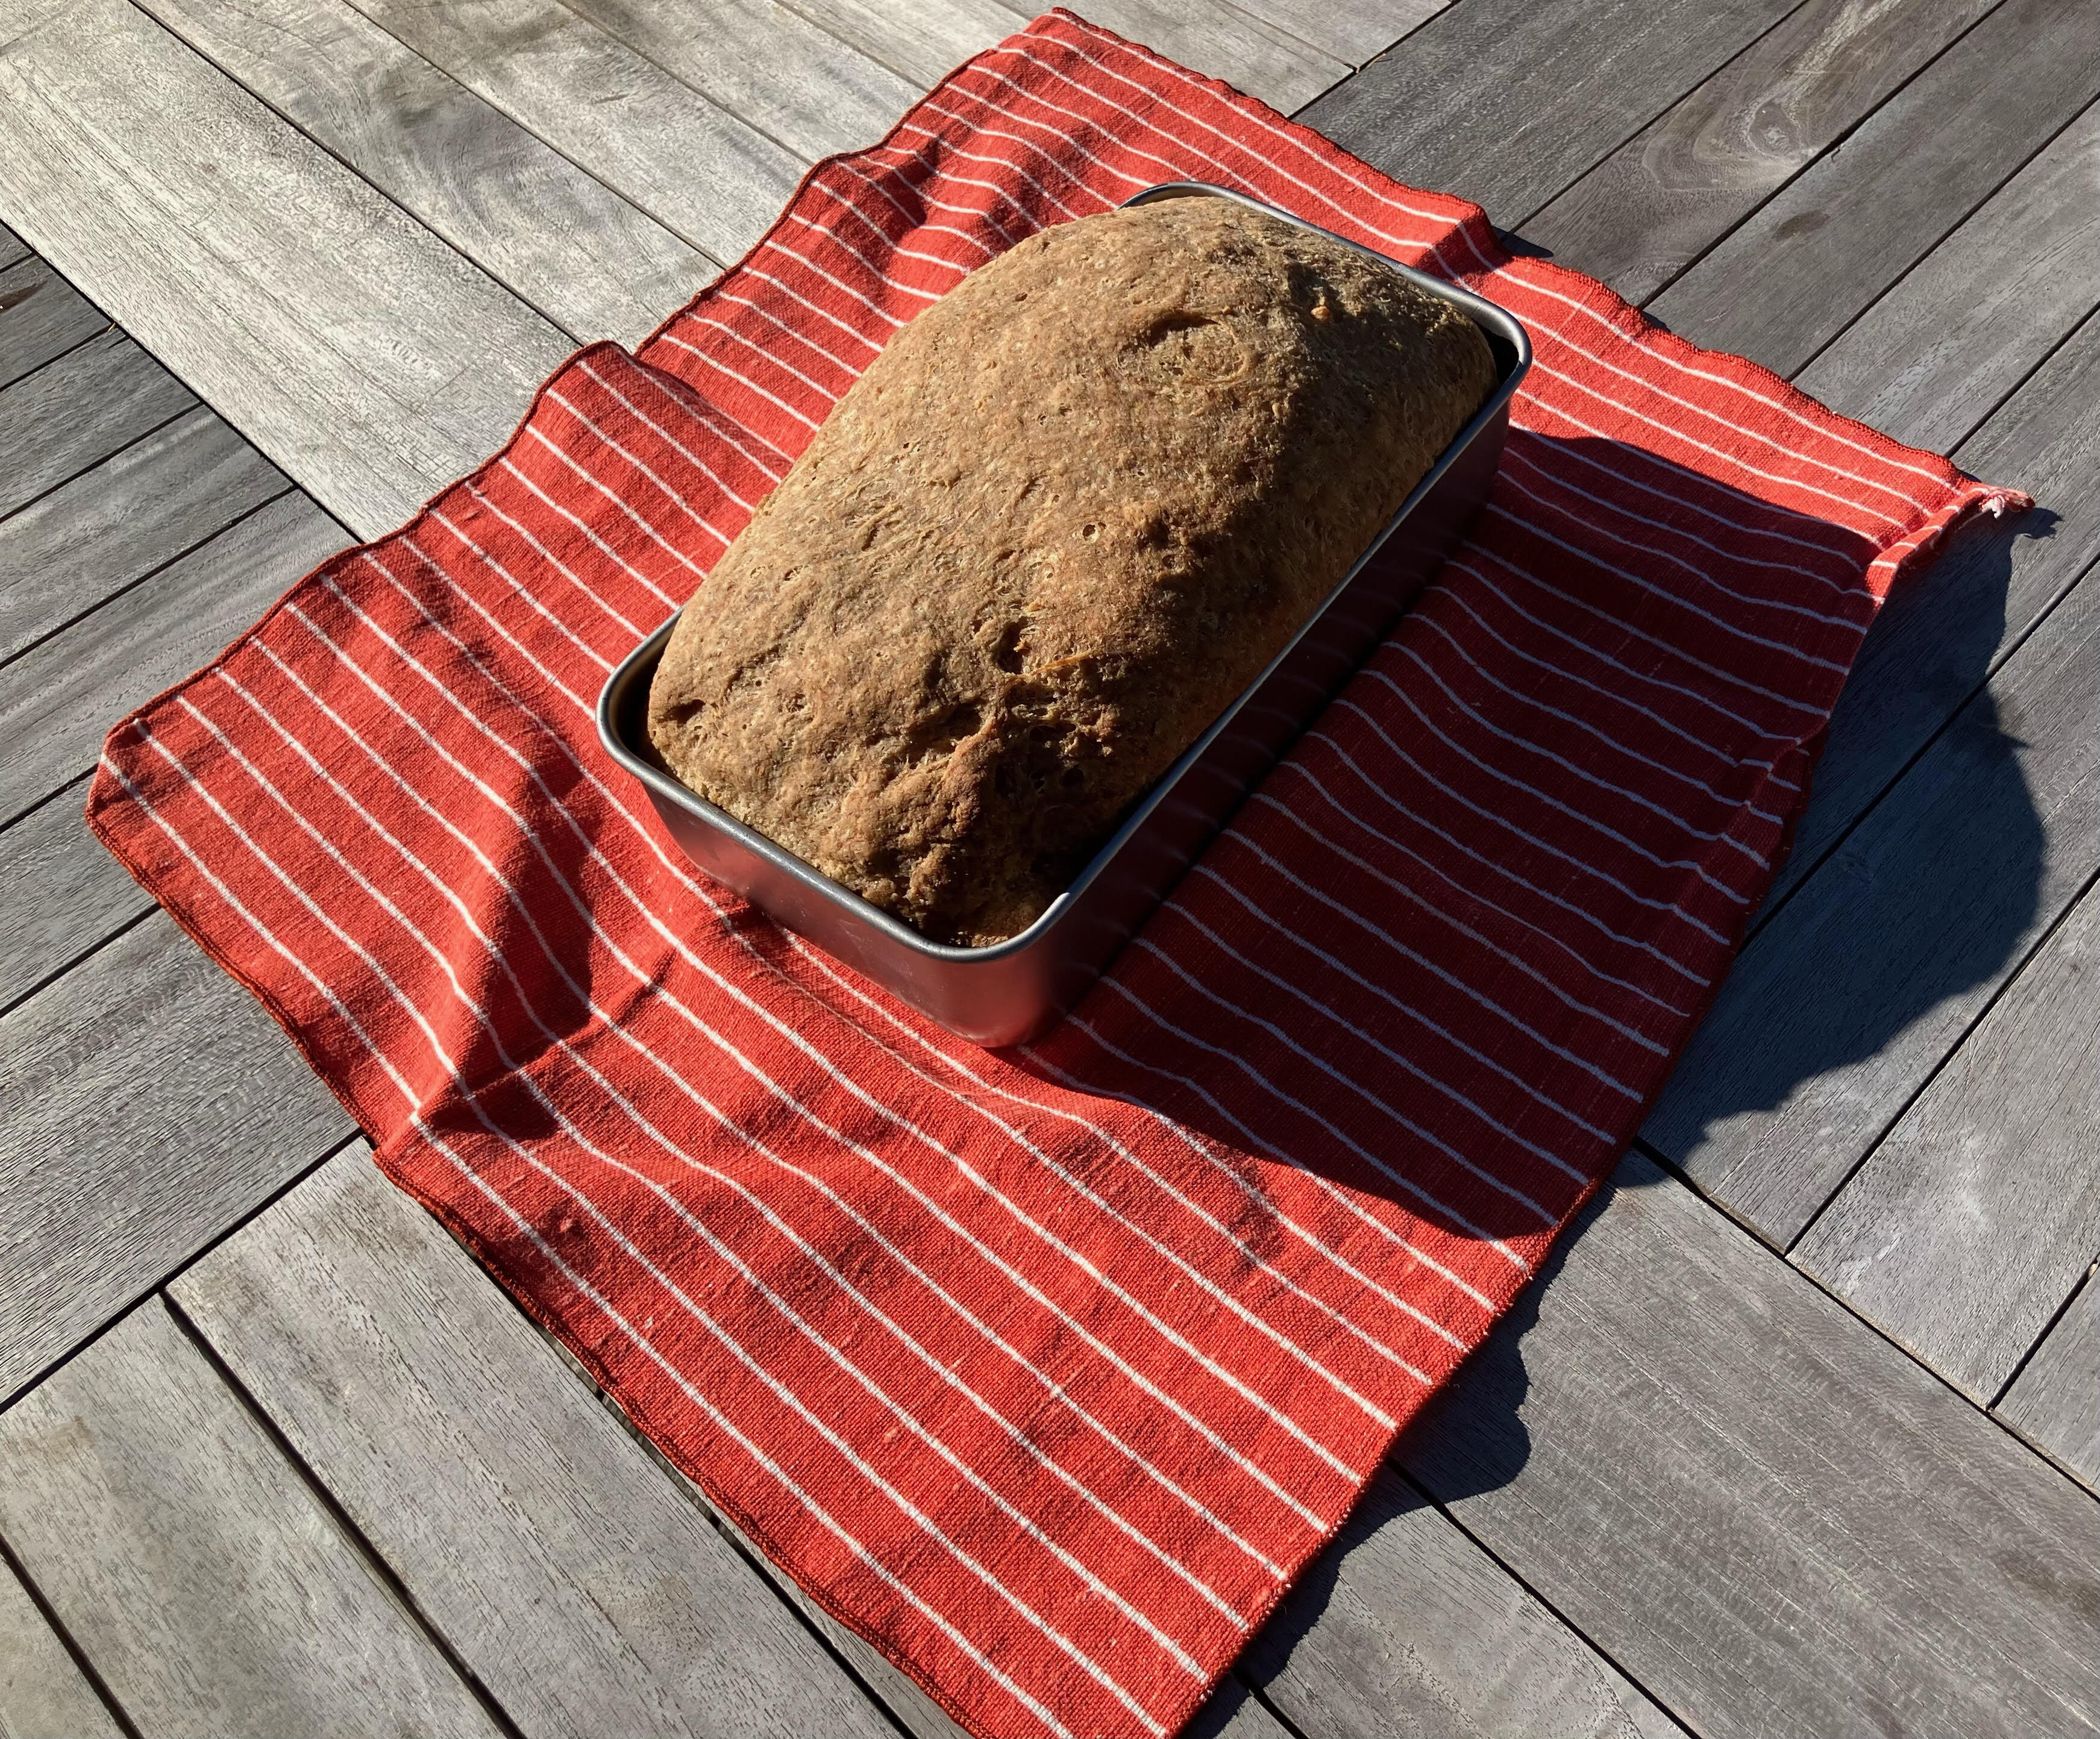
{"points": [[1044, 1371]]}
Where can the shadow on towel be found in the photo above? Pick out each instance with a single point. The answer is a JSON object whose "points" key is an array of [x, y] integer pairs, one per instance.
{"points": [[1902, 918], [1274, 1004], [1932, 645]]}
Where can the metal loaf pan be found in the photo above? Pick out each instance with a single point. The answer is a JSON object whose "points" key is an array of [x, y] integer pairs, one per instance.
{"points": [[1015, 990]]}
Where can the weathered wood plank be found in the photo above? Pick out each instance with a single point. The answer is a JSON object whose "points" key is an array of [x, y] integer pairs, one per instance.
{"points": [[795, 83], [1351, 30], [1508, 101], [2056, 1401], [1979, 1213], [561, 241], [694, 167], [1946, 630], [74, 412], [352, 346], [1652, 207], [924, 43], [921, 43], [12, 248], [43, 1694], [1842, 1005], [1769, 1516], [59, 698], [1794, 274], [1982, 308], [65, 893], [1264, 57], [1279, 65], [154, 501], [149, 1104], [41, 317], [191, 1564], [578, 1585], [1406, 1626]]}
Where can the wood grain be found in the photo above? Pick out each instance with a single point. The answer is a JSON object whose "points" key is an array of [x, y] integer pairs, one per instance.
{"points": [[1933, 356], [353, 347], [58, 699], [1980, 1214], [795, 83], [74, 412], [41, 317], [1770, 1517], [1354, 31], [1795, 274], [12, 248], [193, 1567], [43, 1694], [2056, 1401], [1283, 69], [154, 500], [65, 893], [576, 1582], [1841, 1006], [1508, 101], [586, 258], [696, 169], [1655, 205], [149, 1105], [922, 43], [1251, 53], [1946, 630], [1405, 1625]]}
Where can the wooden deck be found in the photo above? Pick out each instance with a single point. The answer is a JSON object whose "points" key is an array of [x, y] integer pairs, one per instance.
{"points": [[1799, 1434]]}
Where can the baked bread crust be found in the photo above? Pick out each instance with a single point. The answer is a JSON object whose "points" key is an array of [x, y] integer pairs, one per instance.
{"points": [[1063, 519]]}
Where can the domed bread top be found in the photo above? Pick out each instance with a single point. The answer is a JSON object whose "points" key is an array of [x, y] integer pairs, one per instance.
{"points": [[1067, 515]]}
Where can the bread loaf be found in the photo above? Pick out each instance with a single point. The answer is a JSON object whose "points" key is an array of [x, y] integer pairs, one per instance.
{"points": [[1063, 517]]}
